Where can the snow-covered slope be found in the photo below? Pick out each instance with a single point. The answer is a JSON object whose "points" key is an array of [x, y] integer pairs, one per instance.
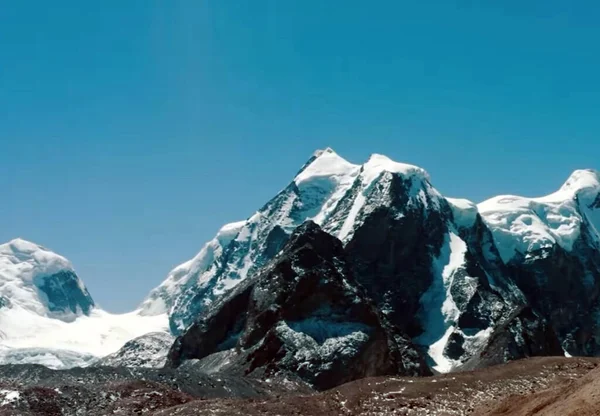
{"points": [[48, 317], [523, 226]]}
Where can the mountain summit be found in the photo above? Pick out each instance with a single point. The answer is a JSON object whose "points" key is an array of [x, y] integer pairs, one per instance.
{"points": [[35, 279]]}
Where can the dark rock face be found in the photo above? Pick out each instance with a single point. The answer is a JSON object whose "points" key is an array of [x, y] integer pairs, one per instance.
{"points": [[64, 293], [392, 251], [522, 334], [4, 302], [564, 288], [303, 314]]}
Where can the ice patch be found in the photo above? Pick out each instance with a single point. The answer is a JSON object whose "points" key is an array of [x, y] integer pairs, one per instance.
{"points": [[9, 396]]}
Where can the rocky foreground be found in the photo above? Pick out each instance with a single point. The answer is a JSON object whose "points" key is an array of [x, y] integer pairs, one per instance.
{"points": [[537, 386]]}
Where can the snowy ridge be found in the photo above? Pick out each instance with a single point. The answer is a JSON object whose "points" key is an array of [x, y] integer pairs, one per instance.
{"points": [[161, 299], [526, 225]]}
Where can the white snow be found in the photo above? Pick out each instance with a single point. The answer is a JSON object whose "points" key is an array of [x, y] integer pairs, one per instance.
{"points": [[21, 264], [8, 396], [523, 225], [464, 212], [377, 164], [99, 334], [160, 299], [328, 175], [30, 332], [49, 357], [327, 164], [350, 222], [318, 189], [438, 310]]}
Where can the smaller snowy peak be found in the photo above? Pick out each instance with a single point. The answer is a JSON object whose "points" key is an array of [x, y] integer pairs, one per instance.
{"points": [[34, 258], [40, 281], [583, 184], [378, 164], [321, 152], [325, 164]]}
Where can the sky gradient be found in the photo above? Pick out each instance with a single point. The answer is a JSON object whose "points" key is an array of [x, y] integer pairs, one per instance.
{"points": [[131, 131]]}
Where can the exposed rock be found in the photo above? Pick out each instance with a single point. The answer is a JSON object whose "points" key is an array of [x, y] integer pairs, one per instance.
{"points": [[304, 314], [149, 350], [522, 334]]}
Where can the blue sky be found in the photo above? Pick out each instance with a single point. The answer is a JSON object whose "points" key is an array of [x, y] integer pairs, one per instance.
{"points": [[130, 131]]}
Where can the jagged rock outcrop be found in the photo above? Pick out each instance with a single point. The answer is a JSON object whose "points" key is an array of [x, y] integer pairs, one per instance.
{"points": [[303, 314], [149, 350]]}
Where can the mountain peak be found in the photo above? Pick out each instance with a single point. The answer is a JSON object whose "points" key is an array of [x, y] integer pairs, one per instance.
{"points": [[377, 164], [323, 164], [22, 245], [320, 152]]}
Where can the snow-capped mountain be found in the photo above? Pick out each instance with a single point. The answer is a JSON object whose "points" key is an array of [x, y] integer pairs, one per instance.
{"points": [[470, 284], [48, 317], [448, 273], [37, 280]]}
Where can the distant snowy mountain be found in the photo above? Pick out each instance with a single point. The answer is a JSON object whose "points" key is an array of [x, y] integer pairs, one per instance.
{"points": [[36, 280], [454, 276], [48, 317]]}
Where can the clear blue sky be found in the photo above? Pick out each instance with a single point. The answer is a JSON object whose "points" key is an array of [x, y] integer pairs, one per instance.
{"points": [[131, 130]]}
